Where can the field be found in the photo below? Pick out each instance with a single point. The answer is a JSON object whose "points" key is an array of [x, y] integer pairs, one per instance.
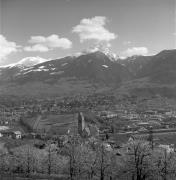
{"points": [[54, 124], [169, 138], [161, 138], [164, 138]]}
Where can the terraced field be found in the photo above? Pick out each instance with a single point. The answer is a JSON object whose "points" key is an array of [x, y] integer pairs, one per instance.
{"points": [[54, 124]]}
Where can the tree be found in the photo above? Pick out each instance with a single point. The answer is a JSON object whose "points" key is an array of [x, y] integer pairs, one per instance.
{"points": [[150, 138], [26, 159], [165, 164], [85, 161], [81, 159], [51, 159], [103, 161], [69, 150], [23, 156], [137, 160]]}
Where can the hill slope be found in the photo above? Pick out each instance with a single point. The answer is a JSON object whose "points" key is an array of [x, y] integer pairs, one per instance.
{"points": [[82, 74], [161, 68], [93, 72]]}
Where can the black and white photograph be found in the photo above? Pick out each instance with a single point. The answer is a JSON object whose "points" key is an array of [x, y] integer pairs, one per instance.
{"points": [[87, 89]]}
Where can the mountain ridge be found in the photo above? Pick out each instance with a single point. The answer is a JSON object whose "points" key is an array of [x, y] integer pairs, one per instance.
{"points": [[94, 71]]}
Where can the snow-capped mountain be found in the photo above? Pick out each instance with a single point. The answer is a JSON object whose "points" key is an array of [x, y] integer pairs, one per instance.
{"points": [[100, 48], [31, 61], [26, 62], [94, 66], [11, 71], [88, 71]]}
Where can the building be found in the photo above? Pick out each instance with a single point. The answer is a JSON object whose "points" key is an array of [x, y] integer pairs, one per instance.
{"points": [[86, 126], [11, 134], [81, 123], [17, 134], [167, 148]]}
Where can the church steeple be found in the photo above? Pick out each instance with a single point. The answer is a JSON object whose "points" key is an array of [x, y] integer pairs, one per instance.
{"points": [[81, 123]]}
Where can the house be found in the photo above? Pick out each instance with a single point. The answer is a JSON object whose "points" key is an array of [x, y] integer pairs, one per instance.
{"points": [[107, 114], [7, 134], [142, 129], [107, 147], [1, 135], [17, 134], [167, 148]]}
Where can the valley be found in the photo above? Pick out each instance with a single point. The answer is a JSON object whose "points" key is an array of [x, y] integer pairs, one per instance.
{"points": [[91, 97]]}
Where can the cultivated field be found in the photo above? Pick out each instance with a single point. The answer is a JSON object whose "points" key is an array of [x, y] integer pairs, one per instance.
{"points": [[54, 124]]}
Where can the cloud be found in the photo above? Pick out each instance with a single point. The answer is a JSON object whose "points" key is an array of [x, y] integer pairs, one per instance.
{"points": [[135, 51], [44, 44], [37, 47], [7, 47], [93, 29]]}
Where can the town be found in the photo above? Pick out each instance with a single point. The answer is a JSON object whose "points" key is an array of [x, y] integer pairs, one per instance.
{"points": [[108, 115], [96, 119]]}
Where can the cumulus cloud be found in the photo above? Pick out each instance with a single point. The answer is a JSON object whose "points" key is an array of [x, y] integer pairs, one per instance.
{"points": [[44, 44], [36, 47], [7, 47], [94, 29], [135, 51]]}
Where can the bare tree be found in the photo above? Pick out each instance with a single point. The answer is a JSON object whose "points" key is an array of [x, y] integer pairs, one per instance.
{"points": [[70, 151], [82, 159], [49, 164], [23, 159], [26, 159], [165, 164], [49, 159], [85, 161], [137, 160], [150, 138], [103, 162]]}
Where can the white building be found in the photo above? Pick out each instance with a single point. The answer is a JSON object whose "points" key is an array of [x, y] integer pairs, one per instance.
{"points": [[17, 134]]}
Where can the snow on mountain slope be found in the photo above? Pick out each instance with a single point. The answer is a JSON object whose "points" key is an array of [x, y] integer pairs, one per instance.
{"points": [[136, 75], [26, 62], [101, 48], [31, 61], [93, 66]]}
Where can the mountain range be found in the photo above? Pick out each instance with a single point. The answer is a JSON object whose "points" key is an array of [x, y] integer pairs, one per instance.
{"points": [[90, 72]]}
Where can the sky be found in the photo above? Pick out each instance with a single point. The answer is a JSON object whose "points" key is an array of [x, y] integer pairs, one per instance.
{"points": [[50, 29]]}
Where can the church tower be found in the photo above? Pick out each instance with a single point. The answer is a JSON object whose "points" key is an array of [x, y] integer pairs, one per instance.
{"points": [[81, 123]]}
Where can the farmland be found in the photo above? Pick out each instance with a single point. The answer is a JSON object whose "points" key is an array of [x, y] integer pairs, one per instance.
{"points": [[52, 124]]}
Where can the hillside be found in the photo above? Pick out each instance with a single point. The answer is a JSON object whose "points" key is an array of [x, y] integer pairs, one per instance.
{"points": [[135, 63], [95, 67], [73, 74], [91, 73], [161, 68]]}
